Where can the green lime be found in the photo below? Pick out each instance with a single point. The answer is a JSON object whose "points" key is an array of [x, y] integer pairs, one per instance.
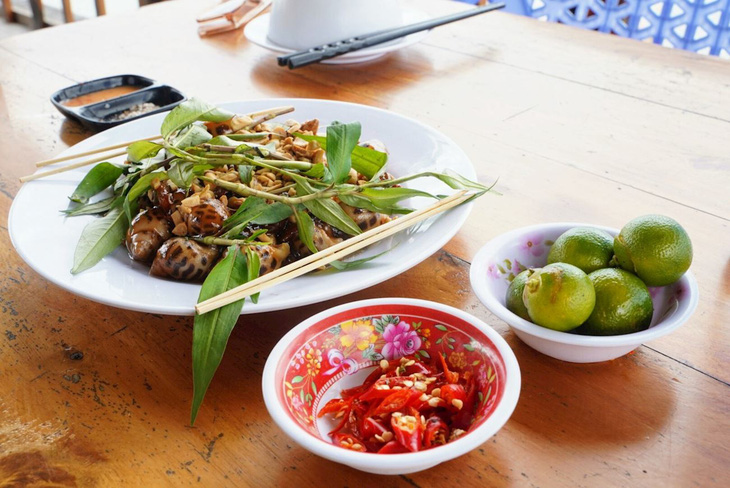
{"points": [[623, 304], [559, 296], [588, 249], [513, 300], [654, 247]]}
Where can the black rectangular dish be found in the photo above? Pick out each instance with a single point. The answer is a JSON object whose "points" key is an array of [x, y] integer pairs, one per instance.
{"points": [[110, 101]]}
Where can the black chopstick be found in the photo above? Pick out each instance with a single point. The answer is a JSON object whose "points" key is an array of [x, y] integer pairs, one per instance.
{"points": [[327, 51]]}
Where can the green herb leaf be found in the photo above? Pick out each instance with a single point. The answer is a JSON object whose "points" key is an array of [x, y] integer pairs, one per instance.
{"points": [[95, 208], [341, 140], [345, 265], [192, 136], [98, 179], [317, 171], [190, 111], [182, 173], [211, 330], [276, 212], [326, 209], [224, 141], [330, 212], [305, 228], [139, 188], [458, 182], [99, 238], [388, 197], [250, 209], [366, 161], [254, 268], [383, 200], [245, 173], [141, 150]]}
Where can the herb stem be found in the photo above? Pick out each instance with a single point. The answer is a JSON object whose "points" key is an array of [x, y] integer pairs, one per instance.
{"points": [[264, 163], [220, 241], [246, 191]]}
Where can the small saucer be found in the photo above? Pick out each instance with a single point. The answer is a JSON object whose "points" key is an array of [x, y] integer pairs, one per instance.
{"points": [[257, 31]]}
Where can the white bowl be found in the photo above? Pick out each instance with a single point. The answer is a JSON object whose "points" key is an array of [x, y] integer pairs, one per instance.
{"points": [[506, 255], [302, 24], [314, 362]]}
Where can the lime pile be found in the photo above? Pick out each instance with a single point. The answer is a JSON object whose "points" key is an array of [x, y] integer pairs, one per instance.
{"points": [[595, 284]]}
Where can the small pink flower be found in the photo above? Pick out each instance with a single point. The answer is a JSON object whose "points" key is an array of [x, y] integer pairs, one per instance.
{"points": [[400, 341], [532, 245], [492, 271], [296, 402], [337, 361]]}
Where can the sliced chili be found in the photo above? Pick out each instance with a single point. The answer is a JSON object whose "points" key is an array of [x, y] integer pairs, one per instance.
{"points": [[403, 406]]}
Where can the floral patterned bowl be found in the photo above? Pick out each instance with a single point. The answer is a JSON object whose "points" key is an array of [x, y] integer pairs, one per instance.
{"points": [[505, 256], [338, 348]]}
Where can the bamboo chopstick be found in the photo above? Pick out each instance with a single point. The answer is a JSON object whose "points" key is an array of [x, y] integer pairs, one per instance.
{"points": [[276, 110], [330, 254], [68, 167], [259, 117], [49, 162]]}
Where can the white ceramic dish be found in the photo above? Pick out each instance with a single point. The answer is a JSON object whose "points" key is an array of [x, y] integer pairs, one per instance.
{"points": [[507, 254], [46, 240], [314, 362], [257, 31]]}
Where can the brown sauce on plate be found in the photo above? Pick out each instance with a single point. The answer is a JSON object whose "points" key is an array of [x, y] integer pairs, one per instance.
{"points": [[100, 96]]}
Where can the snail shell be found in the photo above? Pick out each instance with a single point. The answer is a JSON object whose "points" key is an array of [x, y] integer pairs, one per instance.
{"points": [[149, 229], [184, 259]]}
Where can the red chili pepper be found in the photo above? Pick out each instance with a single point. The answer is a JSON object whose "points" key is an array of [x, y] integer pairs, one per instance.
{"points": [[397, 400], [383, 388], [356, 417], [386, 413], [392, 447], [334, 406], [369, 381], [451, 377], [417, 367], [343, 422], [372, 427], [375, 393], [454, 396], [348, 442], [407, 430], [463, 418], [436, 433]]}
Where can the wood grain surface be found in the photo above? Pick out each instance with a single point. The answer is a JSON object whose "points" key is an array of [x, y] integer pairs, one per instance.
{"points": [[578, 126]]}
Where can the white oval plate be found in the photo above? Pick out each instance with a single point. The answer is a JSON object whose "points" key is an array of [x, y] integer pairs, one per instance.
{"points": [[46, 239], [257, 31]]}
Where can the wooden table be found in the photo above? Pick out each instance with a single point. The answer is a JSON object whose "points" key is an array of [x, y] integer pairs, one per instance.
{"points": [[578, 126]]}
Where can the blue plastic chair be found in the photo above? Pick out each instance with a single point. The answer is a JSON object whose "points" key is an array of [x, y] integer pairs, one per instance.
{"points": [[702, 26]]}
